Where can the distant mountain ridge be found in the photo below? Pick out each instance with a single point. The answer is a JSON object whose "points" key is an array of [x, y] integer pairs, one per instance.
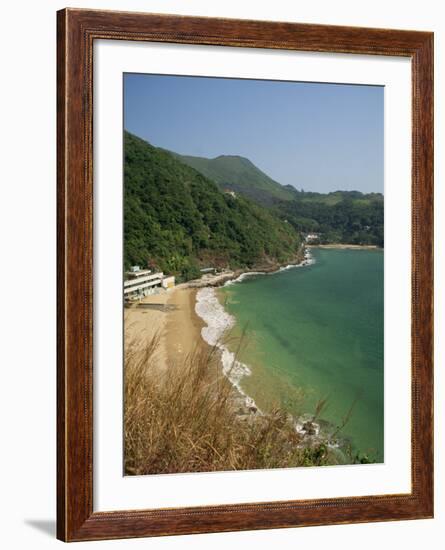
{"points": [[239, 174]]}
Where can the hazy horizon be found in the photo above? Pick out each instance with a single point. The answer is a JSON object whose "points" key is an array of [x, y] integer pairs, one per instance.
{"points": [[317, 137]]}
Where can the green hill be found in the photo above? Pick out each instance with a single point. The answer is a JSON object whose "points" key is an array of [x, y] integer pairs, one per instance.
{"points": [[177, 220], [240, 175], [338, 217]]}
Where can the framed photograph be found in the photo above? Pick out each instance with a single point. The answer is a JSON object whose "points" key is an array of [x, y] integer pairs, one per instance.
{"points": [[245, 230]]}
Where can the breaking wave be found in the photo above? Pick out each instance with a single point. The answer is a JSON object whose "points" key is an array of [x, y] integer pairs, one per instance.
{"points": [[218, 323]]}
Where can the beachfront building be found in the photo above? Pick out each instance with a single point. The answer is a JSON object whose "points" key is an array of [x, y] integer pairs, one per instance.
{"points": [[168, 282], [312, 237], [142, 282]]}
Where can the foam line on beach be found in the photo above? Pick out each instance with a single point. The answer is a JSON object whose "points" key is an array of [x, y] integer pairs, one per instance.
{"points": [[218, 322]]}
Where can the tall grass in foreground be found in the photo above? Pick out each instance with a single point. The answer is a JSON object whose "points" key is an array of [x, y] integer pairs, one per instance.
{"points": [[186, 418]]}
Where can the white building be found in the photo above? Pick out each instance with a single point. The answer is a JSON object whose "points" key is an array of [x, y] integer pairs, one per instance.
{"points": [[311, 237], [168, 282], [142, 282]]}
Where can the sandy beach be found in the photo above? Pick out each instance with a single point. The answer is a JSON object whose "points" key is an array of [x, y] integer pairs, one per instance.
{"points": [[172, 316]]}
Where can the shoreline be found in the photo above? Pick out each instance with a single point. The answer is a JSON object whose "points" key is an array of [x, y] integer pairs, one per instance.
{"points": [[190, 316], [238, 274], [174, 316], [218, 321], [301, 260], [343, 246]]}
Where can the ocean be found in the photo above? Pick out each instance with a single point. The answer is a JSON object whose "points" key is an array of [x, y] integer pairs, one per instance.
{"points": [[306, 334]]}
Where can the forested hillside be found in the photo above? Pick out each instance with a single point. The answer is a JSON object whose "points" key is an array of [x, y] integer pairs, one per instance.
{"points": [[177, 220], [347, 220]]}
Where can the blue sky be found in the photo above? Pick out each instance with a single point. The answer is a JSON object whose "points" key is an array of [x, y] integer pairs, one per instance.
{"points": [[316, 137]]}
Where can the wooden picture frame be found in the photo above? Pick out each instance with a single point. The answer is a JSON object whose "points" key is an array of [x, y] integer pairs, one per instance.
{"points": [[77, 31]]}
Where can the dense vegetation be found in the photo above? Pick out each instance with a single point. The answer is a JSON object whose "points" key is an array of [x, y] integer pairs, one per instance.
{"points": [[242, 176], [347, 220], [177, 220], [189, 420], [340, 217]]}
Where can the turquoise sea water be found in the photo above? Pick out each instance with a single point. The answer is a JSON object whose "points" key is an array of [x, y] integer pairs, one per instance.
{"points": [[314, 332]]}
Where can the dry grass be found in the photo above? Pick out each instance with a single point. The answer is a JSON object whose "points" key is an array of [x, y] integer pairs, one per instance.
{"points": [[186, 420]]}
